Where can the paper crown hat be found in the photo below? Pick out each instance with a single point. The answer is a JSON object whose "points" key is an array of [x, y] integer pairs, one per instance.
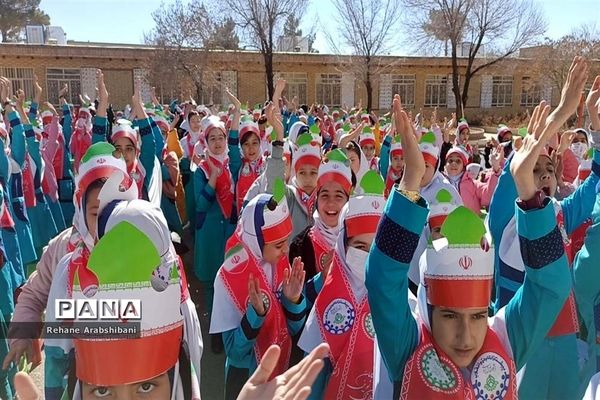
{"points": [[336, 169], [297, 129], [161, 120], [460, 152], [124, 129], [367, 136], [396, 147], [442, 205], [307, 153], [266, 217], [362, 212], [97, 162], [502, 130], [46, 117], [458, 269], [462, 124], [211, 122], [108, 361], [428, 148], [247, 126]]}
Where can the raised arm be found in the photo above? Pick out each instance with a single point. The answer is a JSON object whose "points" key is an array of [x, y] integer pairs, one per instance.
{"points": [[100, 130], [388, 262]]}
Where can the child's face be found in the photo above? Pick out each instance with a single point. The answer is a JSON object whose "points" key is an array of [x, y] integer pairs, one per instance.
{"points": [[454, 165], [307, 178], [288, 167], [459, 332], [158, 388], [91, 210], [544, 175], [369, 151], [361, 242], [216, 141], [251, 148], [195, 123], [273, 252], [126, 149], [330, 200], [397, 163], [579, 137], [428, 176], [463, 136]]}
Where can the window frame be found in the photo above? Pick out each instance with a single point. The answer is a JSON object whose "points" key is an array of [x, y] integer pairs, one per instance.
{"points": [[436, 86], [329, 83], [502, 85], [403, 83]]}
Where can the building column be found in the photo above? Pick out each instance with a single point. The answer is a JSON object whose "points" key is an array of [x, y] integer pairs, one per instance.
{"points": [[347, 96], [385, 91], [486, 91], [450, 99], [88, 82]]}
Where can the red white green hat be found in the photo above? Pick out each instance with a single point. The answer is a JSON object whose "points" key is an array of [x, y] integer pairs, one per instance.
{"points": [[396, 147], [308, 152], [367, 137], [362, 213], [459, 268], [143, 273], [46, 117], [124, 129], [461, 152], [247, 126], [336, 169], [442, 205], [428, 148], [462, 124], [97, 162], [212, 122]]}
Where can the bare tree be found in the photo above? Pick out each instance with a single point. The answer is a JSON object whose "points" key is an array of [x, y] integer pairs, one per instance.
{"points": [[181, 36], [502, 26], [262, 21], [366, 28]]}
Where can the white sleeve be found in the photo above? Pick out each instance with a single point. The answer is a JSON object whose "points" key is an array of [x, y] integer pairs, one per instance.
{"points": [[311, 335]]}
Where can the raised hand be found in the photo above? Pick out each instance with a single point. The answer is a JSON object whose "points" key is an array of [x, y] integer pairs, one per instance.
{"points": [[25, 387], [102, 94], [571, 93], [352, 135], [37, 90], [294, 384], [255, 296], [274, 120], [414, 168], [293, 281], [234, 100], [593, 104], [279, 88], [565, 141], [497, 158], [524, 159]]}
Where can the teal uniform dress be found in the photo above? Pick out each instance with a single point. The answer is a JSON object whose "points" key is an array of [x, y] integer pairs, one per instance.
{"points": [[212, 228], [525, 320], [15, 192], [553, 371], [66, 183]]}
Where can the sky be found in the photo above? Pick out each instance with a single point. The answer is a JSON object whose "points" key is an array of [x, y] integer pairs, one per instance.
{"points": [[125, 21]]}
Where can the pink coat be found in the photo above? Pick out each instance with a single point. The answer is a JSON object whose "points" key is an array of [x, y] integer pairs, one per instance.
{"points": [[34, 297], [476, 194]]}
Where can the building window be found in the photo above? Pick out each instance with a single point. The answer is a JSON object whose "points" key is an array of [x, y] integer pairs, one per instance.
{"points": [[329, 89], [404, 85], [21, 78], [502, 91], [436, 90], [56, 79], [531, 92], [296, 83], [212, 88]]}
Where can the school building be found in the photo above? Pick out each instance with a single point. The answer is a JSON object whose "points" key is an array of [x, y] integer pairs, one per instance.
{"points": [[423, 82]]}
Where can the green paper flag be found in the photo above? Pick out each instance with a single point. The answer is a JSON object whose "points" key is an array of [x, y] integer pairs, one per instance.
{"points": [[278, 190], [304, 139], [315, 129], [347, 127], [522, 132], [429, 137], [112, 265], [338, 155], [98, 149], [367, 129], [463, 226], [372, 183], [443, 196]]}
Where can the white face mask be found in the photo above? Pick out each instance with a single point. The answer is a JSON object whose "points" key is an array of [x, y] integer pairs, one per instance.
{"points": [[356, 258], [579, 149]]}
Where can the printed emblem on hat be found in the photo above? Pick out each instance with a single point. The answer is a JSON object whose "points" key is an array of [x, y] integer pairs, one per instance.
{"points": [[439, 374], [339, 317], [101, 160], [465, 262], [490, 377], [368, 326], [375, 204]]}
